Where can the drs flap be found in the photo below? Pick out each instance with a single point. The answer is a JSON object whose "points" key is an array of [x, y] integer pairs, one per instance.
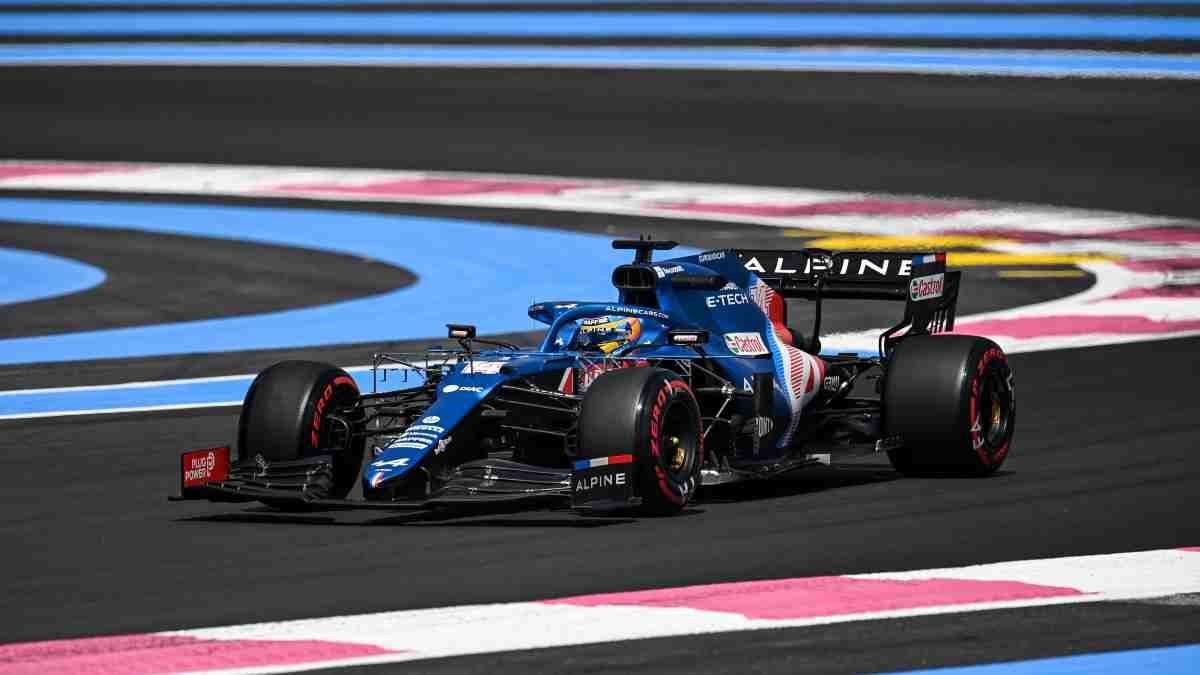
{"points": [[199, 467]]}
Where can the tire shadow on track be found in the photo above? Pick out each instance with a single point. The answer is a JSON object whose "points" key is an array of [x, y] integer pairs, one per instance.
{"points": [[537, 519], [803, 481]]}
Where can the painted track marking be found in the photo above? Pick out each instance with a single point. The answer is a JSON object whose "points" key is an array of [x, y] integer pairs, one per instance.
{"points": [[316, 3], [26, 276], [168, 3], [153, 396], [458, 263], [1147, 268], [1024, 63], [1040, 274], [388, 637], [1179, 660], [691, 24]]}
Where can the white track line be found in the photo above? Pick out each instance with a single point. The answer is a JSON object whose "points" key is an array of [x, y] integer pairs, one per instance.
{"points": [[455, 631], [148, 384], [116, 411], [387, 637], [145, 384]]}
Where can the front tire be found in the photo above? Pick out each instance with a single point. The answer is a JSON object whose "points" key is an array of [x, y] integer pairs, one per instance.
{"points": [[285, 418], [652, 414], [951, 400]]}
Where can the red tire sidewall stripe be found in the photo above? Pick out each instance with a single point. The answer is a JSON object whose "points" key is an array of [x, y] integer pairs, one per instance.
{"points": [[664, 395], [978, 443], [319, 411]]}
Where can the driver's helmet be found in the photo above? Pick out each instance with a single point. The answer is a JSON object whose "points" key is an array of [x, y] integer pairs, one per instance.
{"points": [[607, 333]]}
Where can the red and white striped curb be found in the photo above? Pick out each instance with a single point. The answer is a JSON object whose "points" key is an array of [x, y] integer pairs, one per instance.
{"points": [[1147, 268], [752, 605]]}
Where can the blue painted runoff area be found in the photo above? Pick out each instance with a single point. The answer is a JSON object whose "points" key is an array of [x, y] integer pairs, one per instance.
{"points": [[582, 3], [1044, 63], [89, 399], [31, 275], [603, 25], [467, 272], [1183, 660], [152, 395]]}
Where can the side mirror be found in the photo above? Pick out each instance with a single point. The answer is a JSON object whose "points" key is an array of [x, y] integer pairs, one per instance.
{"points": [[461, 331]]}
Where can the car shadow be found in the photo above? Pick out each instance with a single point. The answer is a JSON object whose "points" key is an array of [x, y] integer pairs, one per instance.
{"points": [[276, 518], [535, 519], [819, 479], [800, 482], [567, 521]]}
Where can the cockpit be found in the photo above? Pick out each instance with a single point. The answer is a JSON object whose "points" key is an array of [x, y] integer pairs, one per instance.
{"points": [[605, 334]]}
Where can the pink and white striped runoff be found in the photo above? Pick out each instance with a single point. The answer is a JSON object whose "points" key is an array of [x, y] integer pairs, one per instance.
{"points": [[750, 605]]}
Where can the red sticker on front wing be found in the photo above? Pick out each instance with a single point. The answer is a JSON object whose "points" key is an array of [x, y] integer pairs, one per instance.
{"points": [[204, 466]]}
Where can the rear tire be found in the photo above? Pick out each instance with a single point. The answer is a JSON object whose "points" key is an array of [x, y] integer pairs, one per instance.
{"points": [[652, 414], [950, 398], [284, 417]]}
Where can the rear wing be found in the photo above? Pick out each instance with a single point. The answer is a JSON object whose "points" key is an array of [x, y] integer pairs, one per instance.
{"points": [[920, 279]]}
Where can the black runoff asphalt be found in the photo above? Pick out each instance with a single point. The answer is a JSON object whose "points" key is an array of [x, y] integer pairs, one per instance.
{"points": [[1104, 459]]}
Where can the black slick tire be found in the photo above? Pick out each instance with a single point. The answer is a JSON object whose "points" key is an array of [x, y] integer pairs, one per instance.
{"points": [[652, 414], [284, 417], [950, 398]]}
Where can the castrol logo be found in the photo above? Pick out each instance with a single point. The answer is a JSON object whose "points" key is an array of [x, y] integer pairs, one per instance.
{"points": [[746, 344], [924, 288]]}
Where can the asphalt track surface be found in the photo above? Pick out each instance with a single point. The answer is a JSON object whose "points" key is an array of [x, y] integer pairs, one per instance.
{"points": [[1104, 459], [1107, 144]]}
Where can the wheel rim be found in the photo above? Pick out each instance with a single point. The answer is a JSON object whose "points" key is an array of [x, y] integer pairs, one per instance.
{"points": [[994, 412], [331, 435], [680, 433]]}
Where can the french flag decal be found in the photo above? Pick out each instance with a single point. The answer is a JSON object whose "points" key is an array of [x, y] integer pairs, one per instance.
{"points": [[931, 258], [799, 374], [603, 461]]}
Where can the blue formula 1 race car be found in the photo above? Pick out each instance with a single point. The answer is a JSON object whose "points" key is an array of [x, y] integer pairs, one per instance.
{"points": [[690, 378]]}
